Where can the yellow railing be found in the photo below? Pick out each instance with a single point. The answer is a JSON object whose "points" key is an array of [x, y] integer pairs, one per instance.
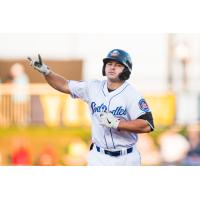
{"points": [[39, 103]]}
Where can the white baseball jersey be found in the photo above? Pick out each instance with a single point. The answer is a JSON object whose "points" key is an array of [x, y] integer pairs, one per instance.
{"points": [[124, 103]]}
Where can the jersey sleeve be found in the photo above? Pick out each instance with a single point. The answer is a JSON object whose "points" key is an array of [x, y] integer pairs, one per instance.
{"points": [[79, 89], [138, 106], [149, 118], [139, 109]]}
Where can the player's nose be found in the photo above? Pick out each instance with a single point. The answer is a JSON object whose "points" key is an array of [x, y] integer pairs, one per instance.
{"points": [[113, 65]]}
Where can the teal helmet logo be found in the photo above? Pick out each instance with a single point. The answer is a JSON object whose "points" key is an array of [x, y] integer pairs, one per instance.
{"points": [[115, 53]]}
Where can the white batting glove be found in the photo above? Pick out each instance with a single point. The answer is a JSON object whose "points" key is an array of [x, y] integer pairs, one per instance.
{"points": [[107, 119], [39, 65]]}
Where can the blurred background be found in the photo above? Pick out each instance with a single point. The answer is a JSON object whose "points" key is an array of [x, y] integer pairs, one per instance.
{"points": [[40, 126]]}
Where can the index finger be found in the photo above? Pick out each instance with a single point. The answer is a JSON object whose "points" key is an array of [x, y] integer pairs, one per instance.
{"points": [[40, 59]]}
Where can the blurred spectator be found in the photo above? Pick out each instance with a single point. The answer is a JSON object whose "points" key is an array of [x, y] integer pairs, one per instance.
{"points": [[8, 78], [173, 146], [20, 95], [47, 156], [193, 155], [76, 153], [20, 154], [149, 151]]}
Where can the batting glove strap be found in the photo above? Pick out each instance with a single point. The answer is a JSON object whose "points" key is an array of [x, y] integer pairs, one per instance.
{"points": [[108, 120]]}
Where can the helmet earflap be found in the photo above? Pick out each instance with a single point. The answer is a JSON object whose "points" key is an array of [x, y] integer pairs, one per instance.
{"points": [[124, 75]]}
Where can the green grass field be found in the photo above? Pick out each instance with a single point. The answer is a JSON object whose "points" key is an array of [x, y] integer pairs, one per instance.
{"points": [[37, 137], [82, 132]]}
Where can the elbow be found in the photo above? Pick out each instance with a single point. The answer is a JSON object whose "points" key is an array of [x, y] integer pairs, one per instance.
{"points": [[148, 129], [150, 126]]}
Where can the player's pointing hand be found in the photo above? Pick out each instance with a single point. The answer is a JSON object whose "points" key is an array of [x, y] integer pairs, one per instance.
{"points": [[39, 65]]}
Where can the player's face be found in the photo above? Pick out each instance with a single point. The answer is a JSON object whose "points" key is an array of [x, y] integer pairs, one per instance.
{"points": [[113, 69]]}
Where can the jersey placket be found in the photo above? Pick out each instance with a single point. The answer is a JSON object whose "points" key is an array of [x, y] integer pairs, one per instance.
{"points": [[108, 136]]}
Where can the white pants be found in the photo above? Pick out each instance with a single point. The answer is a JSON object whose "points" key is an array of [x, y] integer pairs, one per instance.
{"points": [[96, 158]]}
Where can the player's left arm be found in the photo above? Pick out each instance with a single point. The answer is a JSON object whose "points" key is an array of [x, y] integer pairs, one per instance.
{"points": [[143, 124]]}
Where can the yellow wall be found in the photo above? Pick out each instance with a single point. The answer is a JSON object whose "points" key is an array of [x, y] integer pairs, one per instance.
{"points": [[59, 108], [163, 108]]}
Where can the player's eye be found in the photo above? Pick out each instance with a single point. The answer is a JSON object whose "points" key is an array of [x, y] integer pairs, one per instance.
{"points": [[119, 65]]}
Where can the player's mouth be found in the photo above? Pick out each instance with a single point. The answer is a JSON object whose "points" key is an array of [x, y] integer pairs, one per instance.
{"points": [[112, 73]]}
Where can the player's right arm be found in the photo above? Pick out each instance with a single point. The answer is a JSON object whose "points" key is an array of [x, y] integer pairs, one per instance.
{"points": [[55, 80]]}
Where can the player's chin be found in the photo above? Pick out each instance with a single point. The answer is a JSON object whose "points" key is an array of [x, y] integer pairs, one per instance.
{"points": [[112, 76], [113, 79]]}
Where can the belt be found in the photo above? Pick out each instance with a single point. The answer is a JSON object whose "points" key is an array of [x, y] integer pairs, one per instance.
{"points": [[112, 153]]}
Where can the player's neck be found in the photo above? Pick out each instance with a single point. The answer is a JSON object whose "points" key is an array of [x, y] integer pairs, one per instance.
{"points": [[114, 85]]}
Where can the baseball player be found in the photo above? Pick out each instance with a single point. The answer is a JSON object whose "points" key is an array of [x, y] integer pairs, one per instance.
{"points": [[118, 112]]}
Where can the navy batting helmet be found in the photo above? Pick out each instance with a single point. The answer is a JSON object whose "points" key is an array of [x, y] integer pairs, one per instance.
{"points": [[121, 57]]}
